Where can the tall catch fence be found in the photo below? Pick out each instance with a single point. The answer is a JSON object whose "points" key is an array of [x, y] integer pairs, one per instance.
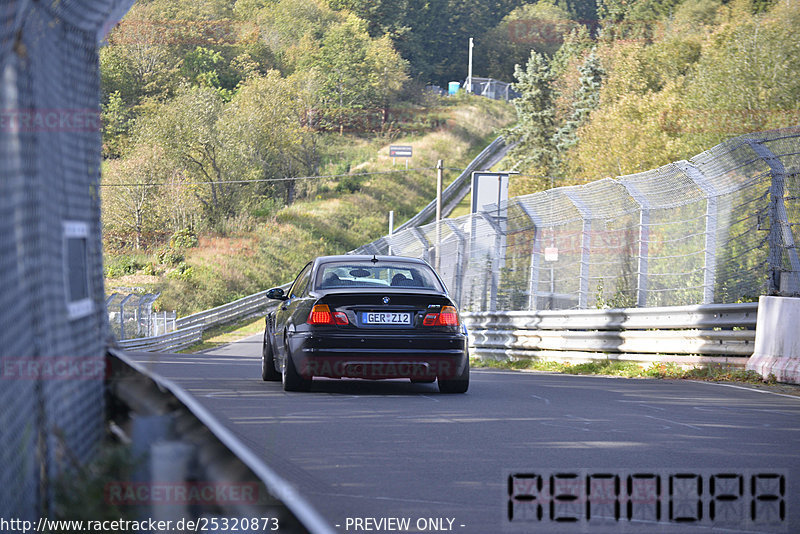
{"points": [[53, 327], [132, 316], [719, 228]]}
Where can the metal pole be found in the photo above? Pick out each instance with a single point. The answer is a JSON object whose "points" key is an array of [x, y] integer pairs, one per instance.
{"points": [[710, 260], [122, 317], [586, 240], [439, 179], [461, 256], [469, 69], [533, 275], [643, 259], [780, 231], [391, 230]]}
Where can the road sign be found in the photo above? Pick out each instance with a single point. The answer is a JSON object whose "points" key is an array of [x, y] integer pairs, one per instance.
{"points": [[489, 188], [400, 151]]}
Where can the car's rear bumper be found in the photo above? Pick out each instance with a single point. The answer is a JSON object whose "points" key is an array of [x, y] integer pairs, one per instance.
{"points": [[380, 356]]}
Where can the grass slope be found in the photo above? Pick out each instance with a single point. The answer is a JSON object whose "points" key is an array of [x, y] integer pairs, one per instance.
{"points": [[333, 216]]}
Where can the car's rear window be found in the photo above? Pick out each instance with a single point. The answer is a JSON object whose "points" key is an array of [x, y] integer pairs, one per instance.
{"points": [[376, 275]]}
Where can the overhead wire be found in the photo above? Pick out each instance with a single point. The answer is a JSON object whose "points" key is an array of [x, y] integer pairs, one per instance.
{"points": [[262, 180]]}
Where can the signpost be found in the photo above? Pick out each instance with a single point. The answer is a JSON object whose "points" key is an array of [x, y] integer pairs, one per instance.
{"points": [[400, 151]]}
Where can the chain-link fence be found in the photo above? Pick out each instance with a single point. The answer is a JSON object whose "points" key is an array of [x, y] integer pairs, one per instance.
{"points": [[720, 228], [131, 316], [491, 88], [53, 327]]}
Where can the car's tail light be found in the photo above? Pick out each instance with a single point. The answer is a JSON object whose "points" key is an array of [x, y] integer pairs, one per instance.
{"points": [[321, 314], [447, 316]]}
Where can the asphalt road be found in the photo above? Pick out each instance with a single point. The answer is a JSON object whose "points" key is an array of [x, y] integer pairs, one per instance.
{"points": [[364, 452]]}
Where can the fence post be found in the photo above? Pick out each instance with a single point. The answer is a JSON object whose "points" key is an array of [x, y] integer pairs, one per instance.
{"points": [[122, 316], [779, 228], [426, 246], [710, 263], [497, 259], [462, 253], [644, 242], [533, 275], [586, 240]]}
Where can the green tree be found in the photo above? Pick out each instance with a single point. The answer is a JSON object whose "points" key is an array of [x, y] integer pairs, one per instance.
{"points": [[129, 198], [265, 135], [540, 26], [187, 129], [116, 119], [586, 100], [534, 152]]}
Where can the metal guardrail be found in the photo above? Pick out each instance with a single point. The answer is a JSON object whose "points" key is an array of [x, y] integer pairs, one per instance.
{"points": [[225, 313], [172, 341], [190, 328], [217, 450], [689, 335]]}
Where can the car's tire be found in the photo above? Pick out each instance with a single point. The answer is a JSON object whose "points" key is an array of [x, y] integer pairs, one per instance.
{"points": [[292, 381], [456, 385], [268, 372]]}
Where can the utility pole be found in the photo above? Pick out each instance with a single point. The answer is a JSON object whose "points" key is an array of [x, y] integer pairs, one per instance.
{"points": [[469, 69], [439, 178], [391, 230]]}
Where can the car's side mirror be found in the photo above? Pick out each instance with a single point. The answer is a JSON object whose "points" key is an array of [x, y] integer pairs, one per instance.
{"points": [[276, 293]]}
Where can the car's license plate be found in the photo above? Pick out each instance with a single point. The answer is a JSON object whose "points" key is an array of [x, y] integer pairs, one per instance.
{"points": [[386, 318]]}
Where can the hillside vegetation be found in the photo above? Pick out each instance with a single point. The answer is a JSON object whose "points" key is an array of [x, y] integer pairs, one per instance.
{"points": [[242, 137], [649, 82], [266, 245]]}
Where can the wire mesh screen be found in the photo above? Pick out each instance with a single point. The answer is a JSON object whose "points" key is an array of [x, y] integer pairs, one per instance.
{"points": [[719, 228], [53, 328], [131, 316]]}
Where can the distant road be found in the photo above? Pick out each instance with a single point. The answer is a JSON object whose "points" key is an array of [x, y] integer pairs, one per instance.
{"points": [[360, 450]]}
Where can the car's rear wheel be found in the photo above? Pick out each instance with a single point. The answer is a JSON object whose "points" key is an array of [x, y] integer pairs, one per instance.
{"points": [[292, 381], [268, 372], [460, 384]]}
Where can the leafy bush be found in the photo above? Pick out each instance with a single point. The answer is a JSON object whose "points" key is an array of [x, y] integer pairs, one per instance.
{"points": [[349, 184], [185, 238], [182, 272], [265, 208], [169, 256], [122, 265]]}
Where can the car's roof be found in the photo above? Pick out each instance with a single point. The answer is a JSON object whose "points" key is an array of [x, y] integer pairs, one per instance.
{"points": [[387, 260], [364, 257]]}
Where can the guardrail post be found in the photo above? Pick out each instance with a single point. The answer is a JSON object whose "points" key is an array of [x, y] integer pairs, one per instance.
{"points": [[533, 276], [586, 240], [779, 228], [644, 242], [710, 263]]}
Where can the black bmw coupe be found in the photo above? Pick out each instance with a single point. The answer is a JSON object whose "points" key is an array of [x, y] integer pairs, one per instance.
{"points": [[368, 317]]}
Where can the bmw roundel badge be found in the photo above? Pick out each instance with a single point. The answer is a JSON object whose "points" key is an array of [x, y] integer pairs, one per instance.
{"points": [[386, 300]]}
